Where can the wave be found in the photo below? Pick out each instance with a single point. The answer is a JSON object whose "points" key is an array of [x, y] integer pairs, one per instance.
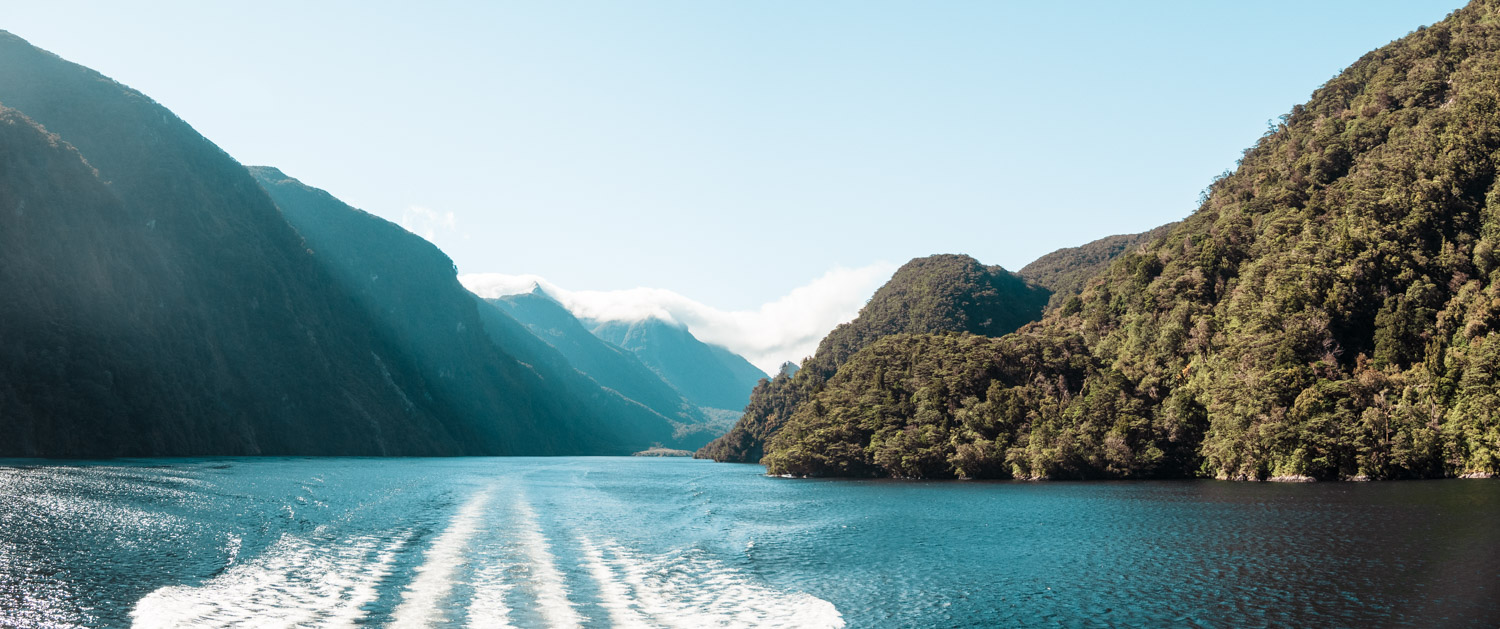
{"points": [[547, 584], [614, 596], [482, 576], [690, 589], [488, 608], [294, 582], [434, 578]]}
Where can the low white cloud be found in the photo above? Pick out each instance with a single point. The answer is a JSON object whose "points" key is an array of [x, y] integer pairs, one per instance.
{"points": [[788, 328], [426, 222]]}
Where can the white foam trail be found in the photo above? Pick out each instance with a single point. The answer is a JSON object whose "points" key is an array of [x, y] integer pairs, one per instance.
{"points": [[547, 583], [295, 582], [420, 604], [614, 596], [488, 609], [691, 590]]}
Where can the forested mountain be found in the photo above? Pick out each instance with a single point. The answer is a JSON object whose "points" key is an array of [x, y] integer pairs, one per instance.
{"points": [[155, 302], [1066, 271], [410, 289], [1330, 311], [609, 365], [707, 375], [936, 294]]}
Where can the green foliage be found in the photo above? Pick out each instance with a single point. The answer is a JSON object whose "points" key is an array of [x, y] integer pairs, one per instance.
{"points": [[1028, 405], [1329, 311], [1066, 271], [941, 293]]}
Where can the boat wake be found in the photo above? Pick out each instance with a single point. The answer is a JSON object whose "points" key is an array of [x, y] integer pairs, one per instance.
{"points": [[690, 589], [495, 564], [295, 582], [421, 605]]}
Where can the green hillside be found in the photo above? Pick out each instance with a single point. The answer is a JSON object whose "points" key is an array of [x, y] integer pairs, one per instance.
{"points": [[1067, 271], [942, 293], [1328, 312]]}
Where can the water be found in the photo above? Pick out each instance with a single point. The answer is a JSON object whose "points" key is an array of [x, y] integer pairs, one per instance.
{"points": [[681, 543]]}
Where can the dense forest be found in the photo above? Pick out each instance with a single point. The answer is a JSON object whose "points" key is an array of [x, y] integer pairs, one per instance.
{"points": [[941, 293], [1065, 272], [1329, 312]]}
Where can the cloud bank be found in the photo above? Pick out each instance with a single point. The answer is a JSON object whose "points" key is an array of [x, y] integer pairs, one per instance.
{"points": [[788, 328]]}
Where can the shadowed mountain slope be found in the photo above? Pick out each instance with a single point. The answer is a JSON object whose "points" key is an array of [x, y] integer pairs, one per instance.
{"points": [[411, 289], [707, 375], [160, 305], [608, 364]]}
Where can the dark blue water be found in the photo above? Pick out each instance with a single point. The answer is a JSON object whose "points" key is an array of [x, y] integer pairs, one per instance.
{"points": [[681, 543]]}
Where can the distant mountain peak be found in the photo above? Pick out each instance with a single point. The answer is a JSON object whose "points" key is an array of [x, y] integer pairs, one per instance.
{"points": [[708, 375]]}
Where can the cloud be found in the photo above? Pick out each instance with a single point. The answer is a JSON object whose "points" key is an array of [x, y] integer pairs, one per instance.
{"points": [[788, 328], [425, 222]]}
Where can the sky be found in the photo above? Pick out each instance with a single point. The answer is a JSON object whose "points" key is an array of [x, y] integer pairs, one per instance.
{"points": [[786, 329], [730, 153]]}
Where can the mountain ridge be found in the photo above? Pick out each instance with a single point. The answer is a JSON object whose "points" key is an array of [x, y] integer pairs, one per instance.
{"points": [[411, 288], [707, 375], [1066, 271], [939, 293], [611, 366], [1329, 312], [220, 325]]}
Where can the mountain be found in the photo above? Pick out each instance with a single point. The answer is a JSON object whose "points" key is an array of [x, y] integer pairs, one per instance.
{"points": [[707, 375], [1066, 271], [935, 294], [608, 364], [157, 303], [1331, 311], [410, 288]]}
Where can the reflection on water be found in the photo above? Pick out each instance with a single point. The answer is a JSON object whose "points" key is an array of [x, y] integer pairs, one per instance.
{"points": [[680, 543]]}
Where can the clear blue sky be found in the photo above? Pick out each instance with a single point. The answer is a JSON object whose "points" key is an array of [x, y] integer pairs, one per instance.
{"points": [[733, 151]]}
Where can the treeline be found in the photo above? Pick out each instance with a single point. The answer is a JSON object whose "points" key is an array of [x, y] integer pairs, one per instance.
{"points": [[934, 294], [1330, 311], [1067, 271]]}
